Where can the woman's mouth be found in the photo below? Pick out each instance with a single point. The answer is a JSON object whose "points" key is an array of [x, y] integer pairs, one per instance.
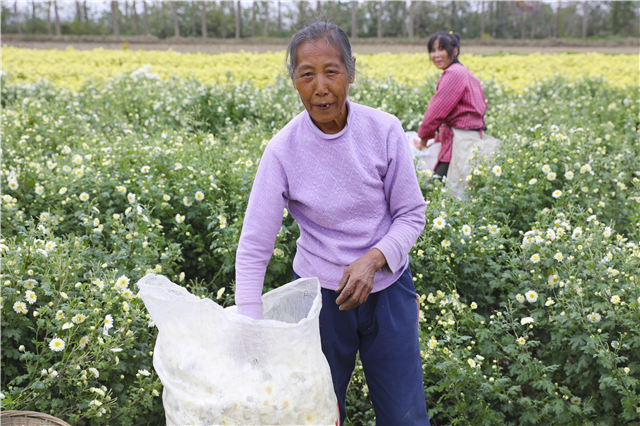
{"points": [[324, 106]]}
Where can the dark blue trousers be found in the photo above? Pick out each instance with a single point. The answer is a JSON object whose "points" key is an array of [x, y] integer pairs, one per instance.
{"points": [[385, 331]]}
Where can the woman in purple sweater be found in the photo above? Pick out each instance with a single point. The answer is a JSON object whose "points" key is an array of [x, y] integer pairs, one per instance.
{"points": [[346, 175]]}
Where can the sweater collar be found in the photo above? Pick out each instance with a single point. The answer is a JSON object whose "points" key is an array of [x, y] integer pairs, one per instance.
{"points": [[319, 133]]}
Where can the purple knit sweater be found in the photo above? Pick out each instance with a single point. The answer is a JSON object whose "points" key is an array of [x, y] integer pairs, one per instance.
{"points": [[349, 192]]}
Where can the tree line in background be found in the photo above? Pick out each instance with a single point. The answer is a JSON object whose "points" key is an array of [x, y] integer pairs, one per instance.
{"points": [[365, 19]]}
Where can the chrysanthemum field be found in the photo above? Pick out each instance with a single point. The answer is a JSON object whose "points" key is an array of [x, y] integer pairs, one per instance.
{"points": [[118, 164]]}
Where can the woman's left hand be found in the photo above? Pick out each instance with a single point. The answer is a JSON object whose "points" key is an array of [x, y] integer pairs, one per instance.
{"points": [[357, 279]]}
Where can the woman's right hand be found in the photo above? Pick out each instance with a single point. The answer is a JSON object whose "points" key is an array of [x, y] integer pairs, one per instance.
{"points": [[417, 142]]}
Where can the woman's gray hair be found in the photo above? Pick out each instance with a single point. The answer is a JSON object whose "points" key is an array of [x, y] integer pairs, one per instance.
{"points": [[327, 31]]}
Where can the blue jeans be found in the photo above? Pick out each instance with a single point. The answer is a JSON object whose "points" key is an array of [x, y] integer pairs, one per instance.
{"points": [[385, 331]]}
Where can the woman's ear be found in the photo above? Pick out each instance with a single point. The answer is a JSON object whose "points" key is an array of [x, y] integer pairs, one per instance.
{"points": [[456, 51]]}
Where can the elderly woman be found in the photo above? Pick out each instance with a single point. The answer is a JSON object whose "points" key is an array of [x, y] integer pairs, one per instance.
{"points": [[346, 174]]}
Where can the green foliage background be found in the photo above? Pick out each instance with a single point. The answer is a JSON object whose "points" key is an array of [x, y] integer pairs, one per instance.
{"points": [[165, 141]]}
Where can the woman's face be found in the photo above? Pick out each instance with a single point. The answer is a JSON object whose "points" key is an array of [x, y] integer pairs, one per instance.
{"points": [[440, 57], [322, 81]]}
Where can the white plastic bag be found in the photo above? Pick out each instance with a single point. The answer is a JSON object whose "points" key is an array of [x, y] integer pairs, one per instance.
{"points": [[427, 158], [469, 148], [218, 367]]}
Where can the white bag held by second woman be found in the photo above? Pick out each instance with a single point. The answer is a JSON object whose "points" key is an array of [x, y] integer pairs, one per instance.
{"points": [[462, 151], [427, 158], [218, 367]]}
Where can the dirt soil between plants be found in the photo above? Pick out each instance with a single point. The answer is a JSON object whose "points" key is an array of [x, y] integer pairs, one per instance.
{"points": [[194, 45]]}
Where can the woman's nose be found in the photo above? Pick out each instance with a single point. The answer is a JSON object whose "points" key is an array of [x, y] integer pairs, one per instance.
{"points": [[321, 85]]}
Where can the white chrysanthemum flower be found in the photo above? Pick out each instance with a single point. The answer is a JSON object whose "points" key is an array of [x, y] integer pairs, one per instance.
{"points": [[31, 297], [546, 169], [576, 400], [131, 198], [552, 280], [39, 189], [433, 343], [122, 282], [166, 197], [535, 258], [248, 163], [13, 185], [558, 256], [493, 229], [20, 307], [223, 221], [145, 169], [67, 325], [568, 175], [179, 218], [531, 296], [590, 218], [186, 201], [551, 176], [78, 318], [497, 170], [577, 233], [586, 168], [471, 363], [199, 196], [84, 196], [98, 391], [94, 371], [278, 252], [520, 298], [445, 243], [285, 212], [30, 284], [533, 181], [108, 322], [607, 232], [551, 234], [556, 194], [526, 320], [79, 173], [51, 165], [56, 344], [144, 373], [594, 317], [615, 299], [164, 134], [439, 223], [549, 302], [77, 159], [521, 341], [466, 230], [473, 305]]}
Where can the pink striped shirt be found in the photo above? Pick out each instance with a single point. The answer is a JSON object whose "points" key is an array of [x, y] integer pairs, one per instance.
{"points": [[458, 102]]}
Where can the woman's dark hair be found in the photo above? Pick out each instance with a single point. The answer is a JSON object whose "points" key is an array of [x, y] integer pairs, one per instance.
{"points": [[446, 41], [327, 31]]}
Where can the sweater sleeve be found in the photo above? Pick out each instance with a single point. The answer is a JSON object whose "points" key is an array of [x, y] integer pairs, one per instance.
{"points": [[406, 205], [261, 224], [451, 87]]}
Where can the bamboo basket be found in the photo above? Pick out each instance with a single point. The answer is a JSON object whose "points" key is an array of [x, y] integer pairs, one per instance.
{"points": [[29, 418]]}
